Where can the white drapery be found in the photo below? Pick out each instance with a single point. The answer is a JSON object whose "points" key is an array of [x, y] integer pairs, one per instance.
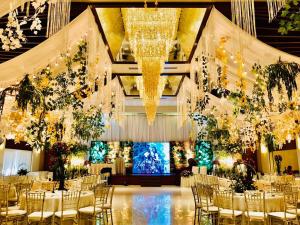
{"points": [[14, 160], [252, 50], [49, 51], [136, 128]]}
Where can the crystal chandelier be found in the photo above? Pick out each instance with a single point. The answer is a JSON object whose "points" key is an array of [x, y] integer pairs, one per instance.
{"points": [[151, 33]]}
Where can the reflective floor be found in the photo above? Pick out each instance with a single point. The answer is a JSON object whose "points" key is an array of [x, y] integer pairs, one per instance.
{"points": [[167, 205]]}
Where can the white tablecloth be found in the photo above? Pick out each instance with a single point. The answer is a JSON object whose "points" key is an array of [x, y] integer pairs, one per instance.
{"points": [[53, 200], [96, 168]]}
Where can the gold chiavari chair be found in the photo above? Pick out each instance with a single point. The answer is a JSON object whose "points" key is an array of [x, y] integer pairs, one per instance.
{"points": [[255, 207], [197, 205], [208, 209], [22, 188], [87, 186], [290, 211], [35, 209], [6, 215], [107, 207], [94, 213], [226, 208], [69, 207], [48, 185]]}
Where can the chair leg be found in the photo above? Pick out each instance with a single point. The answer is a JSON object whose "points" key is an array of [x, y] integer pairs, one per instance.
{"points": [[195, 214], [111, 217]]}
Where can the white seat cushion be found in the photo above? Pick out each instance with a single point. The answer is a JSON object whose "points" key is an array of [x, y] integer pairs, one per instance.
{"points": [[210, 209], [230, 212], [36, 216], [107, 206], [293, 211], [14, 213], [67, 213], [255, 215], [89, 210], [281, 215]]}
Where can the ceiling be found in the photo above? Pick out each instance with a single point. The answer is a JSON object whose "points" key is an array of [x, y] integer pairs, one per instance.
{"points": [[108, 13], [112, 24]]}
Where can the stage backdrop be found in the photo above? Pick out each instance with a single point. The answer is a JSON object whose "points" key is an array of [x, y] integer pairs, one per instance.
{"points": [[180, 152], [135, 128]]}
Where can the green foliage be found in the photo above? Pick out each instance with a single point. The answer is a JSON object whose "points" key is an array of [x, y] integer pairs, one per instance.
{"points": [[78, 148], [290, 17], [88, 125], [282, 73], [28, 95]]}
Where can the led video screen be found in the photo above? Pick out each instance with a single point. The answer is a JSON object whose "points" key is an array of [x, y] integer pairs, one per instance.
{"points": [[151, 157]]}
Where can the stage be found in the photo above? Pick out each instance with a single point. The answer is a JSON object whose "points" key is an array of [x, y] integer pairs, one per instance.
{"points": [[146, 180]]}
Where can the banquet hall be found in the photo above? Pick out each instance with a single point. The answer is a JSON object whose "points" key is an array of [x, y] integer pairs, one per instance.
{"points": [[149, 112]]}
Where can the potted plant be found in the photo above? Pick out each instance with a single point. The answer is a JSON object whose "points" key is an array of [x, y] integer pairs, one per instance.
{"points": [[22, 172], [278, 160], [58, 158]]}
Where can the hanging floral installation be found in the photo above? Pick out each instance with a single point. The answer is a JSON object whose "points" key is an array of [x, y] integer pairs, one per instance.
{"points": [[12, 36], [290, 16], [254, 116], [45, 102]]}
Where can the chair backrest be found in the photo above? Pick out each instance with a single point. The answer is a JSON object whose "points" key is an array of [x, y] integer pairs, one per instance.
{"points": [[22, 188], [69, 201], [225, 200], [290, 202], [35, 202], [4, 199], [111, 195], [48, 185], [100, 195], [87, 186], [255, 201], [205, 193], [195, 195]]}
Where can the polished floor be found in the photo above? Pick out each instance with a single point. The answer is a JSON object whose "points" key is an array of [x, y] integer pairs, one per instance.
{"points": [[167, 205]]}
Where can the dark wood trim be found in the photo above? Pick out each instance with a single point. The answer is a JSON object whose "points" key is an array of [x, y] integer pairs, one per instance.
{"points": [[202, 26], [22, 145], [101, 31], [152, 5], [179, 86], [122, 86], [118, 75], [139, 74]]}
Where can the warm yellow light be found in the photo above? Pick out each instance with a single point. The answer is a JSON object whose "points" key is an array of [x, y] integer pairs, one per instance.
{"points": [[298, 142], [77, 160], [263, 148], [151, 33], [227, 162]]}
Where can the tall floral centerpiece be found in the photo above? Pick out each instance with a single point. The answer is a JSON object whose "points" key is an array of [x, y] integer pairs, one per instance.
{"points": [[278, 160], [58, 158]]}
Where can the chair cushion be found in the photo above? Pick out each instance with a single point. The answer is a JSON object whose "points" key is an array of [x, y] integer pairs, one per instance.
{"points": [[36, 216], [14, 213], [281, 215], [108, 206], [67, 213], [255, 215], [230, 212], [89, 210], [210, 209], [293, 211]]}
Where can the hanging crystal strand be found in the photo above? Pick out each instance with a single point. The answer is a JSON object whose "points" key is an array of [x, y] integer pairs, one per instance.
{"points": [[243, 15], [274, 7], [58, 15]]}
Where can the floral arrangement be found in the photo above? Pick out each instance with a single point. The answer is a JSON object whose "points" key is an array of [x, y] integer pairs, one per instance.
{"points": [[278, 160], [12, 36], [186, 173]]}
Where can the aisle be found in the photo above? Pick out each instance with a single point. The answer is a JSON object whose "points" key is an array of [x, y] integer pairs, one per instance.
{"points": [[167, 205]]}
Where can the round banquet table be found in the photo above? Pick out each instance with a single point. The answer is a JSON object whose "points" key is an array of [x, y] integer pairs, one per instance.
{"points": [[273, 203], [53, 200]]}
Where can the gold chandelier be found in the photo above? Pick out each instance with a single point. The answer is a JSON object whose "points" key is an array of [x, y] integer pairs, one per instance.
{"points": [[151, 33]]}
